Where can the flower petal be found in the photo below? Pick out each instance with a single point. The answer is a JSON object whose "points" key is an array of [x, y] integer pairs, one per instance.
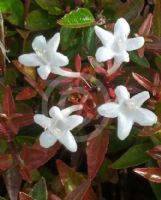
{"points": [[140, 98], [144, 117], [44, 71], [58, 60], [68, 140], [106, 37], [123, 57], [67, 111], [122, 93], [42, 120], [73, 121], [134, 43], [121, 28], [109, 110], [39, 44], [103, 54], [53, 43], [30, 60], [55, 112], [60, 71], [47, 139], [124, 126]]}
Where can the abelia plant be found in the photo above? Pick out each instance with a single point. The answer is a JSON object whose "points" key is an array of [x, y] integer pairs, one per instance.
{"points": [[80, 100]]}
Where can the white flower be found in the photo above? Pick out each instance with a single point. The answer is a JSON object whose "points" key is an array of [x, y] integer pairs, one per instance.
{"points": [[58, 127], [47, 57], [128, 110], [116, 45]]}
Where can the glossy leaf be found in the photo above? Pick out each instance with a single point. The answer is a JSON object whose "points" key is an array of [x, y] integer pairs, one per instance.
{"points": [[156, 28], [139, 60], [71, 180], [40, 190], [96, 149], [39, 20], [79, 192], [132, 157], [155, 153], [150, 173], [23, 196], [145, 28], [15, 12], [81, 17]]}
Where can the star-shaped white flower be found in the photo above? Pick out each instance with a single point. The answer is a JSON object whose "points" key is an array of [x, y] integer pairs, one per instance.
{"points": [[47, 57], [116, 45], [58, 127], [128, 110]]}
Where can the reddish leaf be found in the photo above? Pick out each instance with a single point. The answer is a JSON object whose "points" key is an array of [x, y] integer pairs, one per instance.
{"points": [[144, 30], [155, 152], [24, 196], [52, 196], [152, 174], [97, 145], [35, 157], [71, 180], [26, 93], [12, 182], [79, 192], [78, 63], [6, 161], [8, 102], [148, 131], [143, 81]]}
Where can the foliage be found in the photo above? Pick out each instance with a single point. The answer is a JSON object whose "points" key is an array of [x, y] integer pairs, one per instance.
{"points": [[103, 167]]}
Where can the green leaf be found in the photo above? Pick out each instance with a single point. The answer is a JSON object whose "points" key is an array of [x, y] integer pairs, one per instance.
{"points": [[156, 28], [81, 17], [134, 156], [53, 7], [39, 20], [14, 10], [1, 198], [142, 61], [40, 190]]}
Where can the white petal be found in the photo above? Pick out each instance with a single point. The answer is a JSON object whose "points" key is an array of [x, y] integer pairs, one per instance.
{"points": [[60, 71], [55, 112], [124, 126], [103, 54], [122, 93], [109, 110], [44, 71], [30, 60], [121, 28], [39, 43], [134, 43], [68, 140], [144, 117], [106, 37], [73, 121], [58, 60], [53, 43], [42, 120], [122, 57], [47, 140], [140, 98], [67, 111]]}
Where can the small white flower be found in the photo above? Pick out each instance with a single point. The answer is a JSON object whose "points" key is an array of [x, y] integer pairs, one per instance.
{"points": [[128, 110], [116, 45], [47, 57], [58, 127]]}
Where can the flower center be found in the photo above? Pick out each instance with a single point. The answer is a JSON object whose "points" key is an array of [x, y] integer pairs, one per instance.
{"points": [[119, 45], [130, 105], [41, 53]]}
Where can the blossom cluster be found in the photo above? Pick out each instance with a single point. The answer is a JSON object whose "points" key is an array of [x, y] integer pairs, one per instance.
{"points": [[128, 110]]}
